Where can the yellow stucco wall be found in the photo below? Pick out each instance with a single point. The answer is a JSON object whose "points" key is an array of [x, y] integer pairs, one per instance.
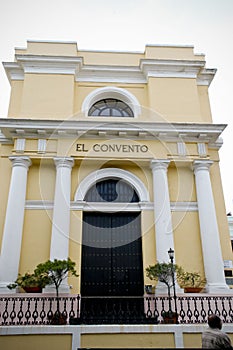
{"points": [[189, 338], [75, 248], [172, 52], [36, 239], [113, 58], [204, 103], [58, 96], [5, 175], [41, 180], [52, 48], [36, 342], [182, 95], [47, 96], [148, 241], [132, 340], [186, 234], [181, 183], [192, 340], [15, 103]]}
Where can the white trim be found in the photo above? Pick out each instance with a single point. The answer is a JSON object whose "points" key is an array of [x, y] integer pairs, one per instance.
{"points": [[102, 174], [52, 41], [13, 228], [162, 212], [201, 147], [38, 205], [41, 146], [110, 74], [206, 76], [89, 128], [112, 208], [59, 247], [177, 330], [20, 145], [181, 149], [86, 206], [183, 206], [111, 92], [74, 65], [209, 231]]}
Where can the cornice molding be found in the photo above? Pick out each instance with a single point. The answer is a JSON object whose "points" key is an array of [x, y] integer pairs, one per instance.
{"points": [[56, 129], [90, 206], [155, 68], [206, 76], [160, 68]]}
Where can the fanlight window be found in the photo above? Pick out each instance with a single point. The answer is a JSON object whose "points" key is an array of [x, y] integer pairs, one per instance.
{"points": [[112, 190], [110, 107]]}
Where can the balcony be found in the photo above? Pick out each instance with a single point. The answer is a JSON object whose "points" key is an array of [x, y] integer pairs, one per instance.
{"points": [[21, 309]]}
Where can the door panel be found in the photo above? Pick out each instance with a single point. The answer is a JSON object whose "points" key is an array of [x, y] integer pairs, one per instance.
{"points": [[111, 255]]}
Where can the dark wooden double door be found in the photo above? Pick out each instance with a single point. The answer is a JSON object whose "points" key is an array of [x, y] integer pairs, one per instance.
{"points": [[111, 261]]}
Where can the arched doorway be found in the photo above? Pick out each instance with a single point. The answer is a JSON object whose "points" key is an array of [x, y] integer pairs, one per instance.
{"points": [[111, 267]]}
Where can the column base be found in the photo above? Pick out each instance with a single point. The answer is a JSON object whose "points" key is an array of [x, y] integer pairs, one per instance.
{"points": [[218, 289]]}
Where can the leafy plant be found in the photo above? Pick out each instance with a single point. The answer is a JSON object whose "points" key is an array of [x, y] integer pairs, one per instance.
{"points": [[29, 280], [162, 272], [190, 279], [56, 271]]}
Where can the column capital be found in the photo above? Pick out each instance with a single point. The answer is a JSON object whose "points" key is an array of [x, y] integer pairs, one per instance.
{"points": [[64, 162], [159, 164], [22, 161], [202, 165]]}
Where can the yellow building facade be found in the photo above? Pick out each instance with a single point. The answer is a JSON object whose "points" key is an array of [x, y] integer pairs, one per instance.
{"points": [[111, 158]]}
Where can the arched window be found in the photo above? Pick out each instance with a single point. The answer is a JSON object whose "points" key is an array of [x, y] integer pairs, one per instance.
{"points": [[111, 173], [110, 107], [112, 190], [111, 101]]}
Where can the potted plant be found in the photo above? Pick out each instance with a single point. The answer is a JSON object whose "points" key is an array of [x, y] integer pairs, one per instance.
{"points": [[30, 282], [56, 271], [169, 317], [191, 282], [163, 272]]}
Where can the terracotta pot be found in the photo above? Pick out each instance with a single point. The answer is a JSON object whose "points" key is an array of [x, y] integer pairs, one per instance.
{"points": [[58, 319], [33, 289], [193, 289], [169, 320]]}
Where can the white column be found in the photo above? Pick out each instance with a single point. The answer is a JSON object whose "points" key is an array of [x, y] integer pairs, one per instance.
{"points": [[13, 229], [59, 248], [211, 248], [162, 214], [162, 210]]}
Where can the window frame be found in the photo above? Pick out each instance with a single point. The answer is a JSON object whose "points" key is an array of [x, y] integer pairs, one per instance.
{"points": [[112, 93]]}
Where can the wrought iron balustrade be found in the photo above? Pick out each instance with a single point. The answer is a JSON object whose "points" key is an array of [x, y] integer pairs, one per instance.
{"points": [[115, 310], [38, 310]]}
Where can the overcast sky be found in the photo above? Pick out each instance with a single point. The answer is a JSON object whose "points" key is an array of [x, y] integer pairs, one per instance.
{"points": [[130, 25]]}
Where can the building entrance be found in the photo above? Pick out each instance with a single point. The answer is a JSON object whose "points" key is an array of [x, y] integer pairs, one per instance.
{"points": [[112, 269], [111, 255]]}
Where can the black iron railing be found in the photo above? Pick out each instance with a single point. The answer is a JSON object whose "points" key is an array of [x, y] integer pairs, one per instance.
{"points": [[115, 310], [39, 310], [36, 310]]}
